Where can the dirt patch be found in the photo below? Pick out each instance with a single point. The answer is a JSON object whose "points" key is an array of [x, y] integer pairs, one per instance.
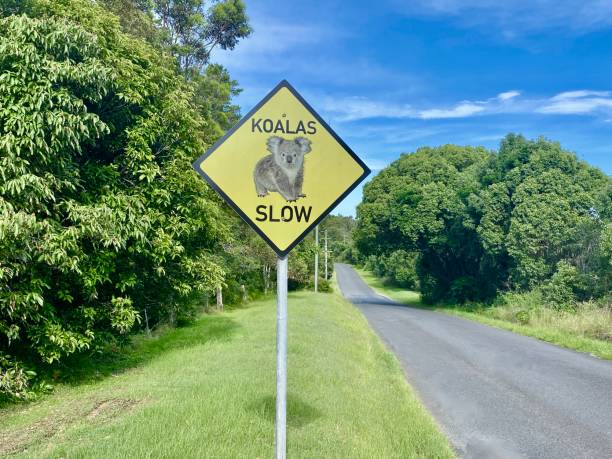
{"points": [[108, 409], [20, 439]]}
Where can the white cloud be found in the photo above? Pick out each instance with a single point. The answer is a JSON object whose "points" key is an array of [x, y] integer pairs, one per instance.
{"points": [[269, 45], [579, 102], [580, 93], [512, 19], [508, 95], [356, 108], [461, 110]]}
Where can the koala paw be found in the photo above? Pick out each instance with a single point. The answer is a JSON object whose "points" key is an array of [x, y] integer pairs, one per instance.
{"points": [[262, 195], [301, 195]]}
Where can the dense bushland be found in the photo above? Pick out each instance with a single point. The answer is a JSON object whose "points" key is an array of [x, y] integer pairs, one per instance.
{"points": [[104, 226], [101, 217], [464, 223]]}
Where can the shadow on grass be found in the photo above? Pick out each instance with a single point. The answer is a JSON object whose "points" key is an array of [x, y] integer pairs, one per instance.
{"points": [[87, 368], [299, 412]]}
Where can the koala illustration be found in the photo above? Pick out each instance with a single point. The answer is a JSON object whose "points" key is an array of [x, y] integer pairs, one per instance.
{"points": [[283, 170]]}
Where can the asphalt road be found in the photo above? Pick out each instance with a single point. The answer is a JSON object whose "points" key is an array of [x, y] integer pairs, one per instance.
{"points": [[494, 393]]}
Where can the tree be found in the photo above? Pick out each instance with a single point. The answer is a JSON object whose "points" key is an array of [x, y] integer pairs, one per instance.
{"points": [[540, 206], [420, 204], [193, 30], [213, 93], [532, 215], [136, 18], [101, 214]]}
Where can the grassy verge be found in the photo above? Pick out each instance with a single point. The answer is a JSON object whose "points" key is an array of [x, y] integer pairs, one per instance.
{"points": [[395, 293], [573, 330], [207, 390]]}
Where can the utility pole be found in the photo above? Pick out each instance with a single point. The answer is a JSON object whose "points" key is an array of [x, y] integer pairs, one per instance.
{"points": [[219, 298], [326, 255], [316, 266]]}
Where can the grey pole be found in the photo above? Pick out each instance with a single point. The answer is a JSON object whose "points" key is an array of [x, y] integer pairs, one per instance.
{"points": [[316, 274], [325, 254], [281, 358]]}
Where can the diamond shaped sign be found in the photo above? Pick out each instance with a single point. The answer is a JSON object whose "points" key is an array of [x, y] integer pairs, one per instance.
{"points": [[282, 168]]}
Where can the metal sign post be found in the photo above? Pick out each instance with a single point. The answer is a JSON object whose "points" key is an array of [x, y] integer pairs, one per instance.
{"points": [[316, 262], [282, 169], [281, 358]]}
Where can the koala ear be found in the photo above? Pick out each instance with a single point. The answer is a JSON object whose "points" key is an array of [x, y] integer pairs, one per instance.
{"points": [[304, 144], [273, 143]]}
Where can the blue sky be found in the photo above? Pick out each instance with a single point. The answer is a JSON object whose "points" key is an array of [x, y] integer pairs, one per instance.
{"points": [[390, 76]]}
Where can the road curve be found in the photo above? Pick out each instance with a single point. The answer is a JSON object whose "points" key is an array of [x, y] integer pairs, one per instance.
{"points": [[494, 393]]}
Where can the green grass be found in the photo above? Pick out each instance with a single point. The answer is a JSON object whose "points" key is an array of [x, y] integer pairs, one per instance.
{"points": [[578, 330], [395, 293], [207, 390]]}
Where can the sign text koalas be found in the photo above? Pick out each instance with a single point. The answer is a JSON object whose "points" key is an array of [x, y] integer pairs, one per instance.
{"points": [[284, 126]]}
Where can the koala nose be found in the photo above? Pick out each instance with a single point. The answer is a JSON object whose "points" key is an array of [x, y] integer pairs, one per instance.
{"points": [[289, 159]]}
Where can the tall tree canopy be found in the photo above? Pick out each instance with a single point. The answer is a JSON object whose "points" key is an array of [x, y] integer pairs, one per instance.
{"points": [[101, 214], [476, 222]]}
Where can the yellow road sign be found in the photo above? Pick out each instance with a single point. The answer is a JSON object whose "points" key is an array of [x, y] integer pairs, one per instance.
{"points": [[282, 168]]}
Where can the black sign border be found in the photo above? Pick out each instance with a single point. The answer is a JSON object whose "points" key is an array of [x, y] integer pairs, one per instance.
{"points": [[197, 166]]}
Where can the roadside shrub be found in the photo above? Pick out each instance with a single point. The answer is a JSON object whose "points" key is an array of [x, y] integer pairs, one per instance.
{"points": [[430, 292], [351, 255], [324, 286], [397, 268], [13, 379], [522, 317], [400, 266], [521, 300], [589, 319], [463, 289], [372, 263], [518, 307], [301, 265], [558, 292]]}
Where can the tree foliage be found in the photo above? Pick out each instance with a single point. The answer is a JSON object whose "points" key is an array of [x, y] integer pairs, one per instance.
{"points": [[101, 214], [479, 222], [193, 28]]}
